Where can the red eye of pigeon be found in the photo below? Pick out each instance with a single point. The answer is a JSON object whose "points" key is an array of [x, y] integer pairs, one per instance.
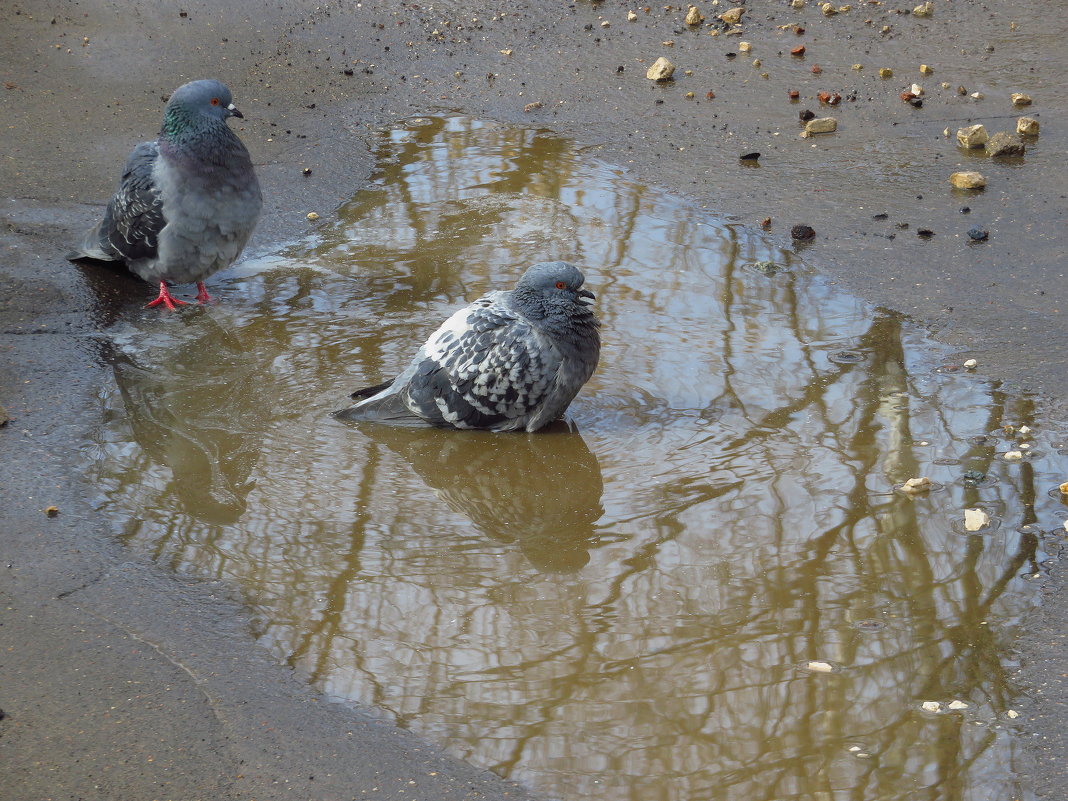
{"points": [[561, 285], [215, 101]]}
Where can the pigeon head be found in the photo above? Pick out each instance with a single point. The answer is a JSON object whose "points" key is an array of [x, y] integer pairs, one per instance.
{"points": [[195, 106], [554, 282]]}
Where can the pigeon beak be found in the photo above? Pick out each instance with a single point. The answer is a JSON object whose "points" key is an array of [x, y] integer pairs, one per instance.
{"points": [[585, 293], [234, 112]]}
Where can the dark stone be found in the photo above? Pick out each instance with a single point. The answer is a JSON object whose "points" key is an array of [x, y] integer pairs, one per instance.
{"points": [[803, 232], [880, 216], [807, 115], [1004, 144], [749, 156], [978, 234], [926, 233]]}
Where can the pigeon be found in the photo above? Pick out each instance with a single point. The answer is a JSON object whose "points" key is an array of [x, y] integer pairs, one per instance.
{"points": [[510, 361], [187, 202]]}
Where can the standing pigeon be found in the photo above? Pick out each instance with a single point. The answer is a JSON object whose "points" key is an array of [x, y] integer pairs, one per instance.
{"points": [[509, 361], [187, 202]]}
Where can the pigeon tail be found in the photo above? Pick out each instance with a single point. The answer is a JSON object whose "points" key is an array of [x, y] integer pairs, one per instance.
{"points": [[369, 392], [384, 407]]}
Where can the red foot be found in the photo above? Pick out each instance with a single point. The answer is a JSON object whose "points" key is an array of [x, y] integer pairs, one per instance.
{"points": [[166, 298], [202, 293]]}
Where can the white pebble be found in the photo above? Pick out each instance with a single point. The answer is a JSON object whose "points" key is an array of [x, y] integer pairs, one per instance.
{"points": [[820, 667], [930, 706], [957, 705], [971, 364]]}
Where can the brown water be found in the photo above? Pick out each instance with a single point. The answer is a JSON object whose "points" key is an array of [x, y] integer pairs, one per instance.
{"points": [[625, 606]]}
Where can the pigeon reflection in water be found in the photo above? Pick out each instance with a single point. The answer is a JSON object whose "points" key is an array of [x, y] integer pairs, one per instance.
{"points": [[542, 493], [206, 437]]}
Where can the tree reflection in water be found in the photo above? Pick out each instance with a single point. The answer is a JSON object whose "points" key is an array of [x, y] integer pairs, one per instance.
{"points": [[615, 611]]}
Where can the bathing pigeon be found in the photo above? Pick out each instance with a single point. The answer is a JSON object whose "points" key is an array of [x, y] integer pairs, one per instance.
{"points": [[509, 361], [187, 202]]}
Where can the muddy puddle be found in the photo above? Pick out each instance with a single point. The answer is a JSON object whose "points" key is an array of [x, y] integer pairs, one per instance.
{"points": [[702, 585]]}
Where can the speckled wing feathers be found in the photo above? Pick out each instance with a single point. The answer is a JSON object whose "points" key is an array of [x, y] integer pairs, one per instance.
{"points": [[134, 216], [485, 367]]}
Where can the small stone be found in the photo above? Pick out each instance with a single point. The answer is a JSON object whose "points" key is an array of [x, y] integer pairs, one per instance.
{"points": [[975, 520], [52, 511], [1024, 430], [694, 17], [857, 67], [976, 95], [1027, 126], [970, 364], [806, 115], [945, 84], [756, 62], [885, 29], [967, 180], [930, 706], [914, 485], [926, 70], [1012, 714], [854, 748], [816, 69], [957, 705], [753, 156], [794, 94], [732, 16], [312, 216], [3, 416], [632, 17], [917, 90], [1013, 456], [1020, 99], [1064, 488], [828, 9], [961, 90], [306, 171], [662, 70], [744, 47], [798, 51], [1004, 143], [797, 3], [923, 10], [817, 666], [977, 234], [845, 9], [972, 136], [821, 125], [803, 232], [886, 72]]}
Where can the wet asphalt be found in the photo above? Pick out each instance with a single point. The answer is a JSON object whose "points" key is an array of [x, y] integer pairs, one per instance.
{"points": [[119, 679]]}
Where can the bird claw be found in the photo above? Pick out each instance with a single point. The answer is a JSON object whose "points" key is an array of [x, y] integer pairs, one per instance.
{"points": [[166, 298], [202, 293]]}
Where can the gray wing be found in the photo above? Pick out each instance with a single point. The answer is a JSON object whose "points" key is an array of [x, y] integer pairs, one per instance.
{"points": [[134, 216], [485, 367]]}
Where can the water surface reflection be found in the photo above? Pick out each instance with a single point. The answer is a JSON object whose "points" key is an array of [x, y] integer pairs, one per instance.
{"points": [[621, 607]]}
